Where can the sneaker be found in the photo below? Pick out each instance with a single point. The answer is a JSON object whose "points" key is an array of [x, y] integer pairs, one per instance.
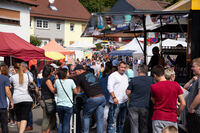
{"points": [[11, 124], [28, 128], [94, 126]]}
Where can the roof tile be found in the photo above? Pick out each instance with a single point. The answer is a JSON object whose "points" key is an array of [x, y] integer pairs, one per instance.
{"points": [[29, 2], [67, 9], [145, 4]]}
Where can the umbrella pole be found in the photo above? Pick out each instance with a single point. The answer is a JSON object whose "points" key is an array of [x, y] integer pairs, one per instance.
{"points": [[10, 60], [145, 39]]}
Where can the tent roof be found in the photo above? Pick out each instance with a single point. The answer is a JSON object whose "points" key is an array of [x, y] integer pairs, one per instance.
{"points": [[122, 53], [81, 45], [13, 45], [122, 6], [53, 46]]}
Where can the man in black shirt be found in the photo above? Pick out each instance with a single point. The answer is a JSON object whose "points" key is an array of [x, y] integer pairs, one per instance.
{"points": [[95, 98]]}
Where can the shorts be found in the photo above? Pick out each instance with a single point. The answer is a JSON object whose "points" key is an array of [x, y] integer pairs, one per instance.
{"points": [[159, 125], [22, 110]]}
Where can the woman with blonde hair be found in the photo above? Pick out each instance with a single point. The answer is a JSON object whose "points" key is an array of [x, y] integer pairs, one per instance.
{"points": [[21, 98]]}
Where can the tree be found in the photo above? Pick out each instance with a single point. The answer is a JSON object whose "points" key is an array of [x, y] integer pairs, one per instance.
{"points": [[35, 41], [170, 1], [97, 5], [98, 46]]}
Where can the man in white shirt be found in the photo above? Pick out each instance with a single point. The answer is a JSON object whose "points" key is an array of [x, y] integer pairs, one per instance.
{"points": [[117, 85]]}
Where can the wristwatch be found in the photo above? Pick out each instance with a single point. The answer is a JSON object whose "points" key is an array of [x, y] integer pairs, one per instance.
{"points": [[113, 98]]}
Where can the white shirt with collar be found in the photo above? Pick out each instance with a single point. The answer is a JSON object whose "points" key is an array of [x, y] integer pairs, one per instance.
{"points": [[118, 83]]}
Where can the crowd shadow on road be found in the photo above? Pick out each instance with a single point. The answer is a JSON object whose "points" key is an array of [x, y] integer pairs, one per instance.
{"points": [[38, 122]]}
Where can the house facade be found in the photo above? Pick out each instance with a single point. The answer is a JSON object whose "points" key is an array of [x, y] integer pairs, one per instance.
{"points": [[48, 29], [15, 17], [62, 21]]}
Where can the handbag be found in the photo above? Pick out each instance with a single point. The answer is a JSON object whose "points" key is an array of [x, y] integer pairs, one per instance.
{"points": [[31, 87], [50, 107], [74, 105]]}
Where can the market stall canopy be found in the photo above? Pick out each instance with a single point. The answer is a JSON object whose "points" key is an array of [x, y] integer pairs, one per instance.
{"points": [[53, 46], [133, 45], [81, 45], [54, 55], [137, 46], [173, 43], [13, 45], [102, 24], [122, 53]]}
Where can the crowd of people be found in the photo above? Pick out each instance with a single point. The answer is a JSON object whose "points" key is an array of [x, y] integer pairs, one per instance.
{"points": [[101, 93]]}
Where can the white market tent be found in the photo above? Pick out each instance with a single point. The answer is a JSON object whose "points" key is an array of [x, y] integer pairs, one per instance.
{"points": [[81, 45], [174, 43], [134, 45]]}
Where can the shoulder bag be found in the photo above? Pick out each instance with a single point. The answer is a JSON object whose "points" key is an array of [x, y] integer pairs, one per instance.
{"points": [[31, 86], [50, 107]]}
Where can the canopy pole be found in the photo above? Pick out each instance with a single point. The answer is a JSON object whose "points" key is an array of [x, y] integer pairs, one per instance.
{"points": [[161, 33], [145, 39], [10, 60]]}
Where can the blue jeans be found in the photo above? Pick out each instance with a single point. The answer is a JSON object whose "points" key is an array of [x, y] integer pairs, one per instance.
{"points": [[30, 119], [138, 119], [64, 114], [116, 117], [94, 104], [4, 120]]}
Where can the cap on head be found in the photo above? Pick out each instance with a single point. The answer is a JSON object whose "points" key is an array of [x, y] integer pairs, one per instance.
{"points": [[54, 65], [78, 67]]}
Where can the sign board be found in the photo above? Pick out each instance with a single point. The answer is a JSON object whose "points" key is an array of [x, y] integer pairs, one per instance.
{"points": [[195, 4]]}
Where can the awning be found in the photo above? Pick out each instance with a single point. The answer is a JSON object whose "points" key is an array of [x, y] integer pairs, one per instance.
{"points": [[115, 24], [53, 46], [13, 45], [54, 55], [122, 53]]}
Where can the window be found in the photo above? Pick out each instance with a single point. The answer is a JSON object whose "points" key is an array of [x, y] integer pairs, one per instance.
{"points": [[42, 24], [9, 16], [45, 24], [71, 27], [59, 41], [39, 23], [58, 26], [44, 42]]}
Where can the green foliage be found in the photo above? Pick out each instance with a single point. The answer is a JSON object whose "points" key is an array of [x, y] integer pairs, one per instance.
{"points": [[98, 46], [97, 5], [170, 1], [35, 41], [105, 5]]}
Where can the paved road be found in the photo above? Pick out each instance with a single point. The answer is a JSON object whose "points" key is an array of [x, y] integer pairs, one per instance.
{"points": [[37, 122]]}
